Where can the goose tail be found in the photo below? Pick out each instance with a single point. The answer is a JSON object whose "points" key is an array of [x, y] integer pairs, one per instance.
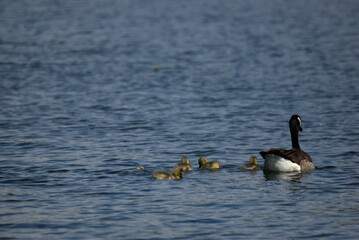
{"points": [[263, 154]]}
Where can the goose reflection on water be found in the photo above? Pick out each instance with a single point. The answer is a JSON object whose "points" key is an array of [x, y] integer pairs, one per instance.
{"points": [[291, 176]]}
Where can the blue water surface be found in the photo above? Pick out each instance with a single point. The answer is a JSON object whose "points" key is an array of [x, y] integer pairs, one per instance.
{"points": [[90, 90]]}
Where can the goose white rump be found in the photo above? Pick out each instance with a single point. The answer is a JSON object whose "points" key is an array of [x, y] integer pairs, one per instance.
{"points": [[279, 164], [292, 160]]}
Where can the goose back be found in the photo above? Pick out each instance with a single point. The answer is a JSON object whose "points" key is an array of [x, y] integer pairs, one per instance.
{"points": [[295, 159]]}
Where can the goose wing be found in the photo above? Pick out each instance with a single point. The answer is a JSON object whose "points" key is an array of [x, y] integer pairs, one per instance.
{"points": [[295, 155]]}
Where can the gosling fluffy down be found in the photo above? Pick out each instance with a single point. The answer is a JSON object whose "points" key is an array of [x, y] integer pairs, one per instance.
{"points": [[176, 174], [252, 165], [204, 164], [184, 165]]}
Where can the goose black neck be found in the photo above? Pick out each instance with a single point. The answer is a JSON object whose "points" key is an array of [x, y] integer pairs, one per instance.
{"points": [[294, 136]]}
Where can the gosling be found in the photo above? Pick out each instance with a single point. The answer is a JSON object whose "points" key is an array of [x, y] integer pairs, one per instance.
{"points": [[252, 165], [184, 165], [176, 174], [204, 164]]}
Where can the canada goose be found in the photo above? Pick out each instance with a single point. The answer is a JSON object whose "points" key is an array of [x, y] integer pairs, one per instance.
{"points": [[295, 159], [252, 165], [176, 174], [184, 165], [203, 164]]}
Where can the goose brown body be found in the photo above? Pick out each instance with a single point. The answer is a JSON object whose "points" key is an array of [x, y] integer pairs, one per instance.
{"points": [[295, 159]]}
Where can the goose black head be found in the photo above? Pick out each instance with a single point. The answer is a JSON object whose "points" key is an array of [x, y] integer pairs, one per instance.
{"points": [[295, 123]]}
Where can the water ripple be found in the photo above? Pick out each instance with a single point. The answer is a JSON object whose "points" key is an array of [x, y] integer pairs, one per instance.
{"points": [[91, 90]]}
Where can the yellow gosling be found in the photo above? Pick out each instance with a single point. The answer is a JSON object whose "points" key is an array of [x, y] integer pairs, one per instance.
{"points": [[176, 174], [184, 165], [252, 165], [204, 164]]}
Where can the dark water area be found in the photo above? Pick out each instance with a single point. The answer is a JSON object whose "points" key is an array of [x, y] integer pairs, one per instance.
{"points": [[90, 90]]}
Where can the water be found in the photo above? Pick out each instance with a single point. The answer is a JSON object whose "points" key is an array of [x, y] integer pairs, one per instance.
{"points": [[90, 90]]}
